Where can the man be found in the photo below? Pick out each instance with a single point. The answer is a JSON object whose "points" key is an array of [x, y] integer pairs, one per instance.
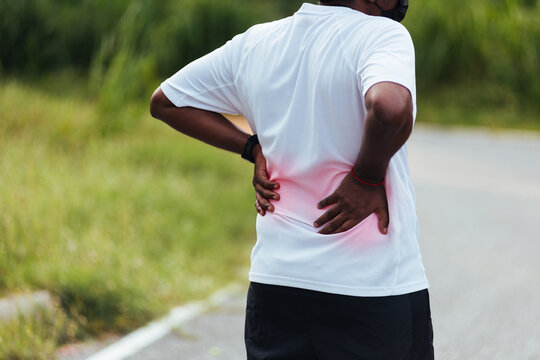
{"points": [[330, 92]]}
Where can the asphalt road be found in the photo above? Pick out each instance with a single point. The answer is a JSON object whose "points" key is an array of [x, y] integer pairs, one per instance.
{"points": [[478, 197], [479, 207]]}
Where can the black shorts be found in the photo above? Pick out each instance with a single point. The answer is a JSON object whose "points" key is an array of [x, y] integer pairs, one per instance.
{"points": [[296, 324]]}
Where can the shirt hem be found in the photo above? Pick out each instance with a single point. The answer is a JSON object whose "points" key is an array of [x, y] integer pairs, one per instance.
{"points": [[339, 289]]}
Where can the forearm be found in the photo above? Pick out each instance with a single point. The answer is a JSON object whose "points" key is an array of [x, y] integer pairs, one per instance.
{"points": [[209, 127], [380, 142]]}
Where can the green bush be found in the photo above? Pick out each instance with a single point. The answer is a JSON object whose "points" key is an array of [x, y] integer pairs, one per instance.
{"points": [[128, 46], [491, 42], [43, 35]]}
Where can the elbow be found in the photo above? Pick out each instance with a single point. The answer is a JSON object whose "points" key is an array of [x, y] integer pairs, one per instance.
{"points": [[154, 105], [392, 111], [159, 103], [397, 114]]}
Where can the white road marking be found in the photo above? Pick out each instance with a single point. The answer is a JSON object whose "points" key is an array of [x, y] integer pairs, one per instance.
{"points": [[139, 339]]}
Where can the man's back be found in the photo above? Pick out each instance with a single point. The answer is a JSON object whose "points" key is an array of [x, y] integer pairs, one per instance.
{"points": [[301, 83]]}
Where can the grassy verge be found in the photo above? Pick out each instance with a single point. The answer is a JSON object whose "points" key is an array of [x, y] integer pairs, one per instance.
{"points": [[121, 227], [35, 337]]}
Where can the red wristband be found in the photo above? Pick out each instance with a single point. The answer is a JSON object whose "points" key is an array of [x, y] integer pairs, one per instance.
{"points": [[365, 182]]}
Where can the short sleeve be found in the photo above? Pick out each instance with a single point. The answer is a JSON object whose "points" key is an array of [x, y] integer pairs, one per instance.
{"points": [[389, 57], [207, 83]]}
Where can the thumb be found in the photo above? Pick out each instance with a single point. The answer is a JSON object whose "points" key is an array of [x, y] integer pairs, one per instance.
{"points": [[384, 220]]}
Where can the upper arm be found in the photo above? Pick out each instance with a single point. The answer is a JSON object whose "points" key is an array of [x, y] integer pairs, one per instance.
{"points": [[386, 71], [207, 83]]}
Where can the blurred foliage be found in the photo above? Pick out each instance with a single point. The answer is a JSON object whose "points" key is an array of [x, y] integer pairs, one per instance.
{"points": [[119, 230], [128, 46], [42, 35], [494, 42], [151, 42]]}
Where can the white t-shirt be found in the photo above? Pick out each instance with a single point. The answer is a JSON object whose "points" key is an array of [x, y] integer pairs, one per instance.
{"points": [[300, 82]]}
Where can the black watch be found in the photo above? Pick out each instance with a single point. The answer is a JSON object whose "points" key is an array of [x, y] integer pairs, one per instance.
{"points": [[248, 149]]}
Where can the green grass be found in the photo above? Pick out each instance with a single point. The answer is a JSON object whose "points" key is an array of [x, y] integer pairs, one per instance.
{"points": [[35, 337], [120, 228]]}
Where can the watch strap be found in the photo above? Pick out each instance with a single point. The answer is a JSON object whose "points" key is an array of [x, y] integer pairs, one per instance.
{"points": [[248, 149]]}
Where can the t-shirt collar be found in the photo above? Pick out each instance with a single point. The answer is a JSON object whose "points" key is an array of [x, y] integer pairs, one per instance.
{"points": [[308, 8]]}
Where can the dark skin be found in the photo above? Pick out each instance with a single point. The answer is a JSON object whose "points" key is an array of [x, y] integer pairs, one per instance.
{"points": [[388, 125]]}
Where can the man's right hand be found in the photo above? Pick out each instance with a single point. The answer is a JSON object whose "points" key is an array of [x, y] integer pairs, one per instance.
{"points": [[264, 188]]}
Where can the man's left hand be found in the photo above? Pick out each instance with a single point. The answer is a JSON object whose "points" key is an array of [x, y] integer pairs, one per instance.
{"points": [[351, 203], [264, 188]]}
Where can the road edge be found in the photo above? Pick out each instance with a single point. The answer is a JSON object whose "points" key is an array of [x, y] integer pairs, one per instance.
{"points": [[145, 336]]}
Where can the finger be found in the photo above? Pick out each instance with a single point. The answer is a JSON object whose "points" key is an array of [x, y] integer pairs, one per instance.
{"points": [[267, 194], [261, 178], [328, 201], [260, 210], [327, 216], [384, 219], [263, 203], [347, 225], [333, 225]]}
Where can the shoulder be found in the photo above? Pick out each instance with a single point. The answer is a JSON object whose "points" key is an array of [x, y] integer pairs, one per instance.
{"points": [[263, 28], [385, 35], [384, 30], [364, 35], [389, 28], [359, 27], [258, 32]]}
